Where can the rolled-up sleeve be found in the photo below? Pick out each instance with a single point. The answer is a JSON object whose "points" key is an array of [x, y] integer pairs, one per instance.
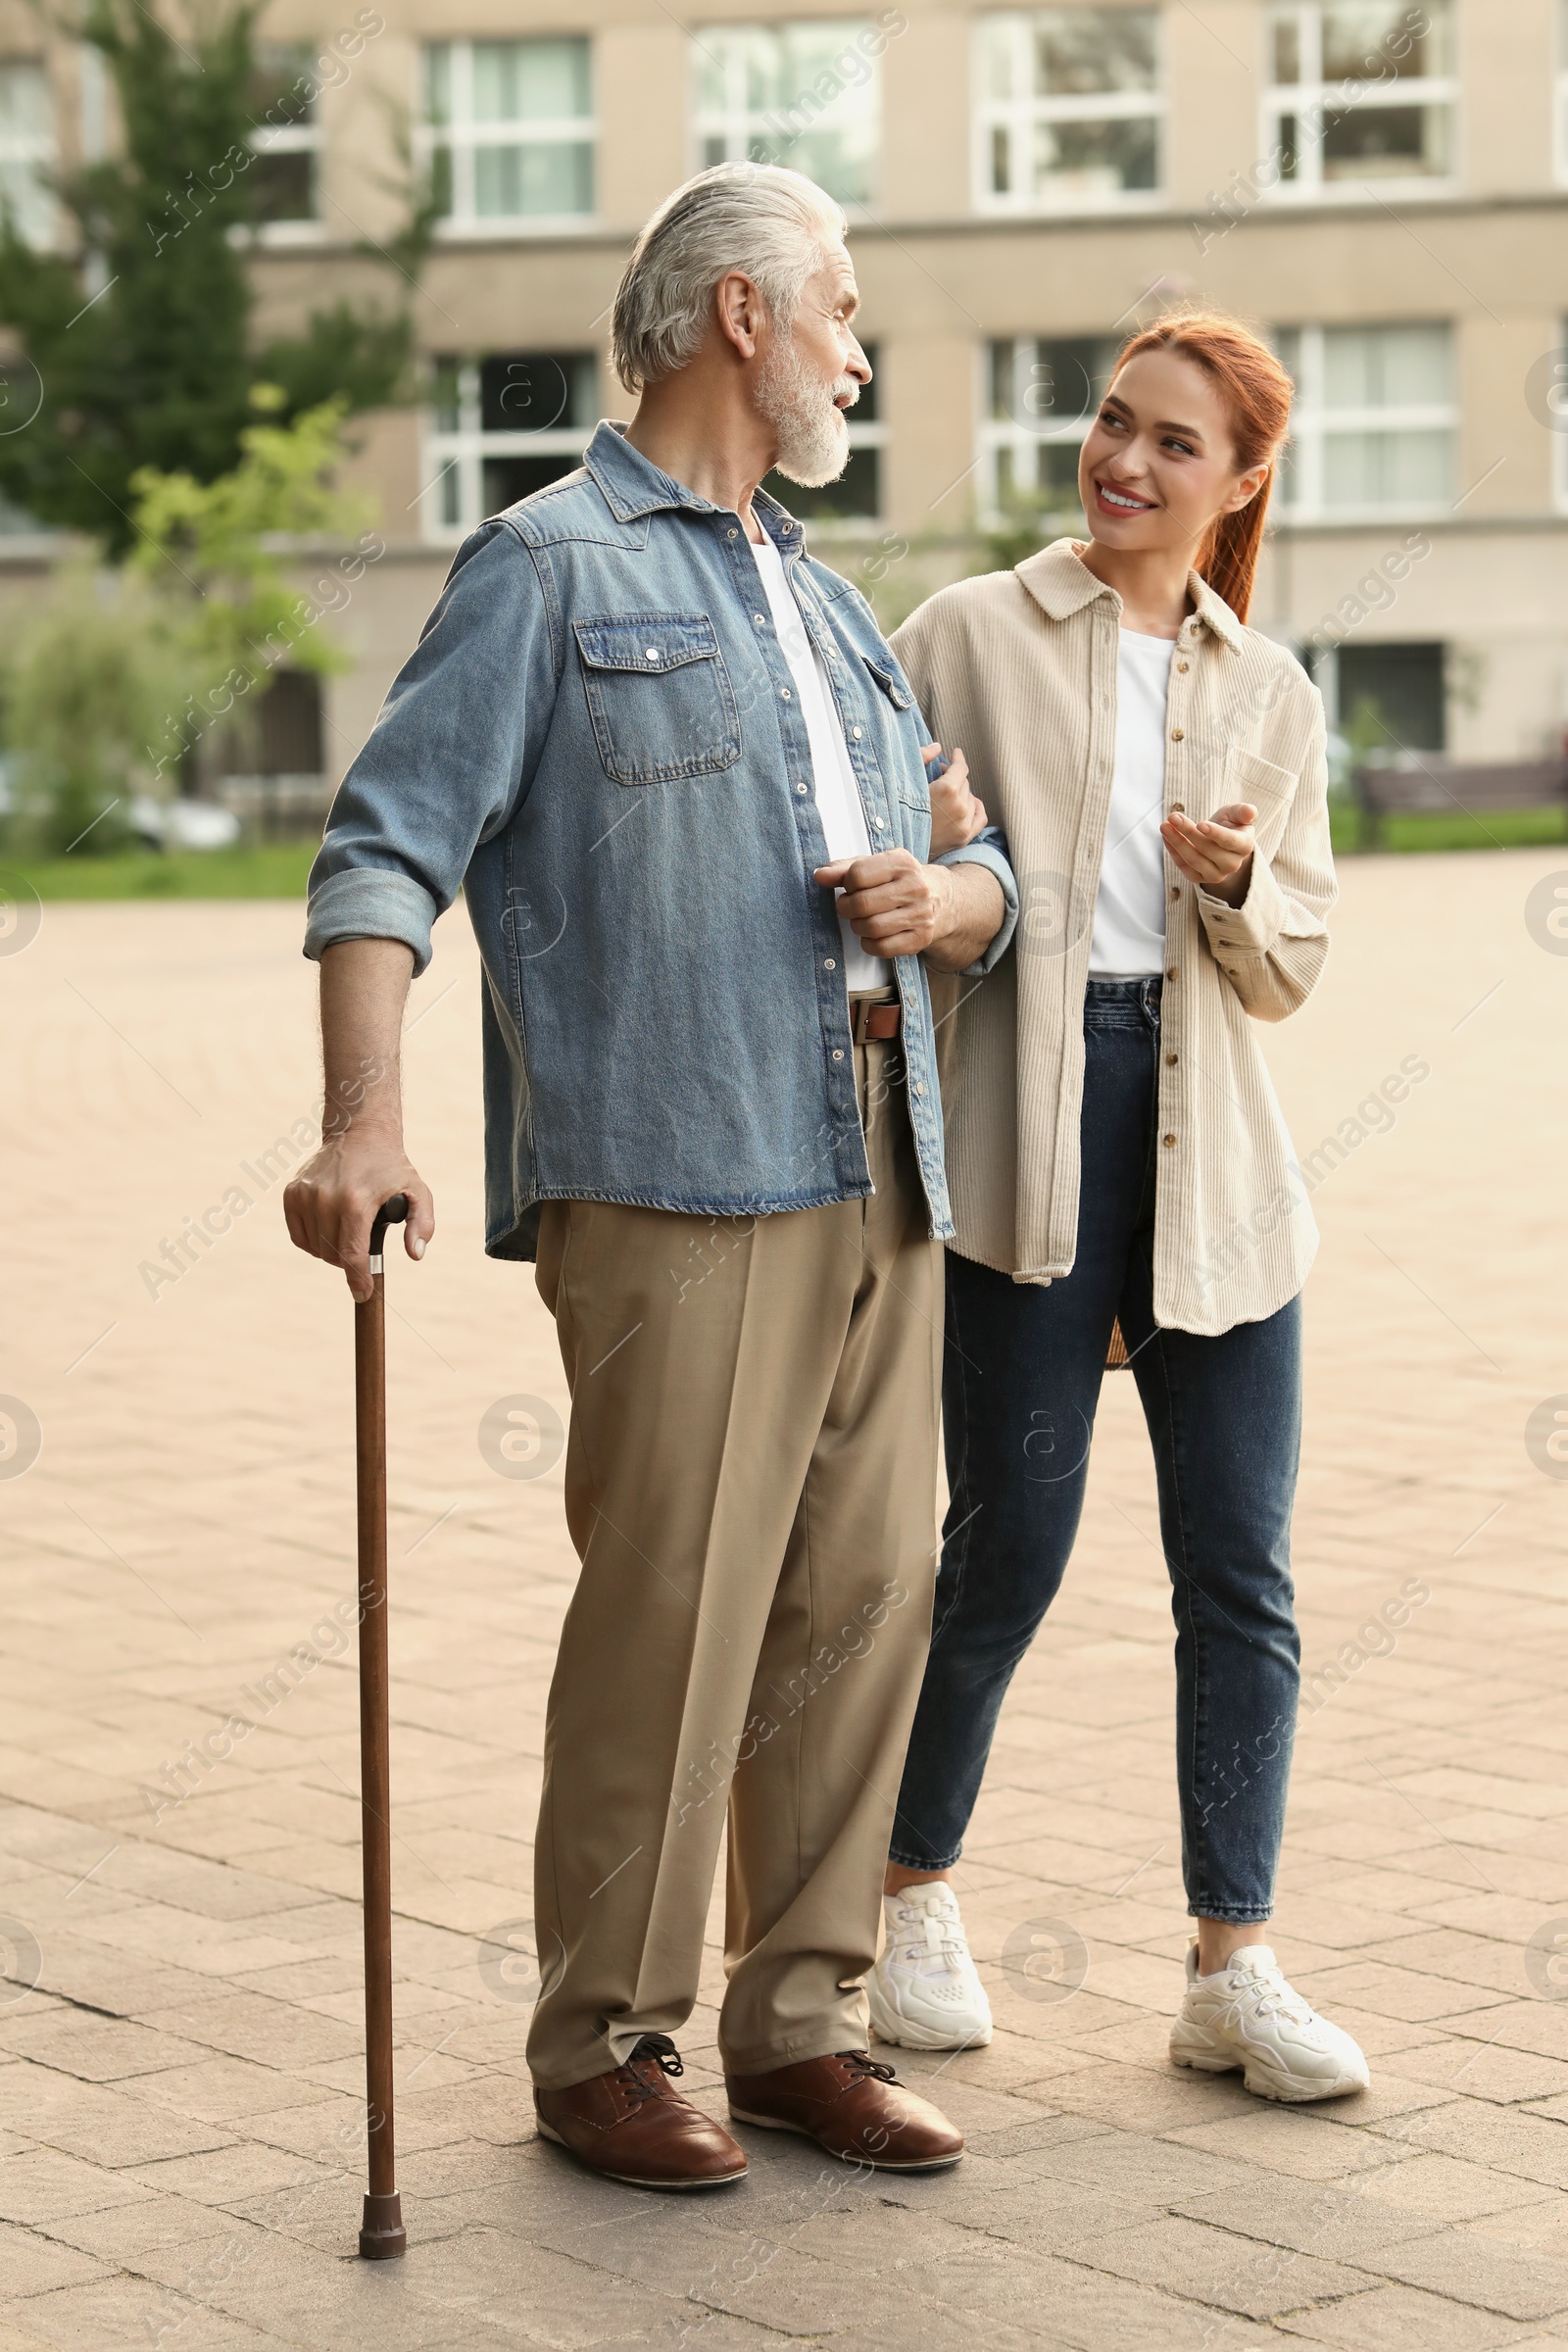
{"points": [[448, 760], [990, 850]]}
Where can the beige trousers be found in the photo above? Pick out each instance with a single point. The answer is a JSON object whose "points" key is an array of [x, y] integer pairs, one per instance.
{"points": [[750, 1485]]}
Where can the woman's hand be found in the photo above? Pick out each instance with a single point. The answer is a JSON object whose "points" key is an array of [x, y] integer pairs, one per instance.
{"points": [[1215, 852], [957, 817]]}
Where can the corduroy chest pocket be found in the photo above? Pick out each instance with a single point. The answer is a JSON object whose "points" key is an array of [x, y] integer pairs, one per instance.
{"points": [[659, 696]]}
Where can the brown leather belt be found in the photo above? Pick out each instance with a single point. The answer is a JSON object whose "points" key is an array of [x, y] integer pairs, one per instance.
{"points": [[870, 1020]]}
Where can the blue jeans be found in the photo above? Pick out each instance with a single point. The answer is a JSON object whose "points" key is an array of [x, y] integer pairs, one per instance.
{"points": [[1021, 1384]]}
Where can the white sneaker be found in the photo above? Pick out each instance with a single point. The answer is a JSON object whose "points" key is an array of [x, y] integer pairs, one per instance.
{"points": [[925, 1992], [1245, 2015]]}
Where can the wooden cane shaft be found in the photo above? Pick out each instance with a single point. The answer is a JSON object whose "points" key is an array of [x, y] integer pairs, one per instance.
{"points": [[370, 1380]]}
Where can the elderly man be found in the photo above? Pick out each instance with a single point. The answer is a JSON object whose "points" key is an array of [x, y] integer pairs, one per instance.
{"points": [[680, 777]]}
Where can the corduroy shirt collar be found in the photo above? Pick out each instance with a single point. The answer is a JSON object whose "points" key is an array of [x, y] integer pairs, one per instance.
{"points": [[1062, 586]]}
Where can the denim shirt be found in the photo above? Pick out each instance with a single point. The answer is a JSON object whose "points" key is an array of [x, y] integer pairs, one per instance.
{"points": [[599, 740]]}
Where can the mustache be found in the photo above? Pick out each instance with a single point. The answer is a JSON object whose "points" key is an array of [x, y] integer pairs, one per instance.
{"points": [[846, 389]]}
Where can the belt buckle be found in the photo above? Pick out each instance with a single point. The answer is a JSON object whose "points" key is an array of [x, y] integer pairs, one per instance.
{"points": [[864, 1009]]}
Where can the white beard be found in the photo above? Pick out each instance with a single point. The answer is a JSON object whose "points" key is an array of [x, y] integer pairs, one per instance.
{"points": [[814, 440]]}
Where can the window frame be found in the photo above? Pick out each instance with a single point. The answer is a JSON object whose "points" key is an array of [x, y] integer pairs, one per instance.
{"points": [[1299, 98], [463, 135], [39, 148], [1559, 435], [458, 453], [294, 138], [1313, 424], [739, 122], [1006, 434], [1022, 115]]}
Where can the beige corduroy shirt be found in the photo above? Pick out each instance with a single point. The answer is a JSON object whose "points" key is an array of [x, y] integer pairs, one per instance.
{"points": [[1020, 668]]}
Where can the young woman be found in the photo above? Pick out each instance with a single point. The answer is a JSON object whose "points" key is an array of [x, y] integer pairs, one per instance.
{"points": [[1123, 1185]]}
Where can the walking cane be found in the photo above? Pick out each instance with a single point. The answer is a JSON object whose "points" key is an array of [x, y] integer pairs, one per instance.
{"points": [[381, 2233]]}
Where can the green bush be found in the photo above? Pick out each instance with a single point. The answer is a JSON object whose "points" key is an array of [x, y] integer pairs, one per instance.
{"points": [[90, 682]]}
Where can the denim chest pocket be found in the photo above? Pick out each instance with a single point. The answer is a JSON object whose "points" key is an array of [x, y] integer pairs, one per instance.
{"points": [[913, 786], [659, 696]]}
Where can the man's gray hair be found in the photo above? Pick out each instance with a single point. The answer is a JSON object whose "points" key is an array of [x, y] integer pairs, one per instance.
{"points": [[773, 224]]}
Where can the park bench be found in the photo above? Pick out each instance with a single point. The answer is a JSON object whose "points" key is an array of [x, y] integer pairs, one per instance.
{"points": [[1430, 782]]}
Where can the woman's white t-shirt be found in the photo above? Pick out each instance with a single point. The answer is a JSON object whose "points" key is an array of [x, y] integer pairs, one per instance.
{"points": [[1128, 941]]}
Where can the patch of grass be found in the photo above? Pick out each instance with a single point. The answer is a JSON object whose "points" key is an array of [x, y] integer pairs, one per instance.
{"points": [[1505, 829], [269, 870]]}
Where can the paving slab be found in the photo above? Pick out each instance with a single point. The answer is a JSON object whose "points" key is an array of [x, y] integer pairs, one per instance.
{"points": [[180, 2120]]}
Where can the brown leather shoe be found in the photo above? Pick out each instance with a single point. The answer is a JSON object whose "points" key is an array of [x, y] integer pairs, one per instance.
{"points": [[853, 2106], [629, 2125]]}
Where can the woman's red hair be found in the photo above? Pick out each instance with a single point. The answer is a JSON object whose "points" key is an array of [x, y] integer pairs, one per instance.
{"points": [[1256, 392]]}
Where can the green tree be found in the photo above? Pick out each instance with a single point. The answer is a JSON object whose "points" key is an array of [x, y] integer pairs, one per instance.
{"points": [[117, 673], [213, 547], [141, 338]]}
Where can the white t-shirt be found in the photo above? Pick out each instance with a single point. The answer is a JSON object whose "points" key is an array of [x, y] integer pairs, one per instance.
{"points": [[1128, 941], [838, 796]]}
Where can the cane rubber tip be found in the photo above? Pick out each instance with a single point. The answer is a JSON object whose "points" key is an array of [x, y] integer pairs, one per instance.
{"points": [[382, 2236]]}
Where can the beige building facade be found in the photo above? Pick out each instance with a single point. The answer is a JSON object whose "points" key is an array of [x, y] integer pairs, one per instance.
{"points": [[1384, 187]]}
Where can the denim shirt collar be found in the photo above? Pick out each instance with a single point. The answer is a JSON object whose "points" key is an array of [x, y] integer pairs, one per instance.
{"points": [[633, 486]]}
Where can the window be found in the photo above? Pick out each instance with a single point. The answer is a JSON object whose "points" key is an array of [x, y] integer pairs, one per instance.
{"points": [[510, 130], [1360, 90], [27, 147], [1070, 107], [1387, 698], [268, 764], [857, 495], [1042, 392], [1374, 425], [502, 428], [805, 95], [288, 137]]}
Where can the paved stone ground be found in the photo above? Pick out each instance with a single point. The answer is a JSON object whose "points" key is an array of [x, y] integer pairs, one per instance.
{"points": [[179, 2095]]}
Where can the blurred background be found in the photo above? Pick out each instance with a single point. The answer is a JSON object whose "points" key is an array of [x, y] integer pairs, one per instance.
{"points": [[293, 296]]}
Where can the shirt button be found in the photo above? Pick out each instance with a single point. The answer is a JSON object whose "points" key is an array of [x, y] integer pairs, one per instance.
{"points": [[1175, 894], [1171, 1058], [830, 966], [1167, 1140], [1170, 972], [758, 618], [1182, 666], [800, 788], [858, 733], [1178, 808], [837, 1052], [732, 534], [1178, 735], [784, 695], [878, 822], [918, 1088]]}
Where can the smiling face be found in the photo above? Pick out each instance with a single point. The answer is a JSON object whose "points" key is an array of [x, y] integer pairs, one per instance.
{"points": [[1158, 464], [811, 373]]}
